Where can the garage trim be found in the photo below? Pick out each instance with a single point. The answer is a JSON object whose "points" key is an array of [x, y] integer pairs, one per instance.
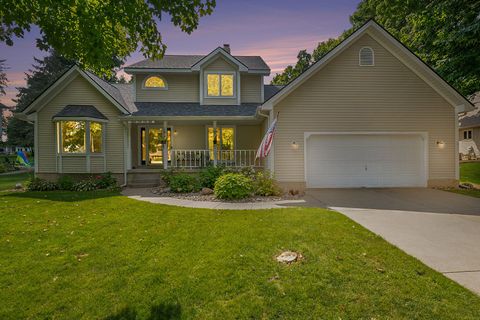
{"points": [[423, 134]]}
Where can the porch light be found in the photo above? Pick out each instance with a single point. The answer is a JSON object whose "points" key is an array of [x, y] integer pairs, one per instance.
{"points": [[441, 144], [294, 145], [175, 132]]}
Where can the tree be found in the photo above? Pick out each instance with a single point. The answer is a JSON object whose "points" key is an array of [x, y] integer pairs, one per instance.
{"points": [[304, 60], [91, 32], [44, 72], [444, 33], [3, 77]]}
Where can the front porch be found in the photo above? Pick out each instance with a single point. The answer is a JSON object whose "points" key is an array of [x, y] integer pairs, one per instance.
{"points": [[153, 146]]}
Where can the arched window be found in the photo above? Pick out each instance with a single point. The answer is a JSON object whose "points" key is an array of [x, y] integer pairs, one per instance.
{"points": [[155, 82], [366, 57]]}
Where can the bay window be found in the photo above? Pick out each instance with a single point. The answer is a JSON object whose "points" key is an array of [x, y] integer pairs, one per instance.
{"points": [[80, 137]]}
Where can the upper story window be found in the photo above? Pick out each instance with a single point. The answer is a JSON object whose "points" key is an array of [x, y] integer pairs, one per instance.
{"points": [[80, 137], [366, 57], [220, 85], [467, 134], [154, 82]]}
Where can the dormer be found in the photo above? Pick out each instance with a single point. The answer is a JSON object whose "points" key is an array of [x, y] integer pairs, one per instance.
{"points": [[218, 78]]}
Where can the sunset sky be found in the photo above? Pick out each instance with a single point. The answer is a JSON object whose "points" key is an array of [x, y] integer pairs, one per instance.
{"points": [[273, 29]]}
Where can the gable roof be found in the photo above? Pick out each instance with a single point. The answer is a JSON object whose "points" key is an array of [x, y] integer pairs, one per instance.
{"points": [[472, 118], [187, 62], [412, 61], [269, 90], [106, 89]]}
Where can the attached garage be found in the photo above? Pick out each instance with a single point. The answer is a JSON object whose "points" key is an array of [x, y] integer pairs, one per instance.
{"points": [[346, 160]]}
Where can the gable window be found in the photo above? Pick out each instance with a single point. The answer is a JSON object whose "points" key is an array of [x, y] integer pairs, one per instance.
{"points": [[467, 134], [80, 137], [220, 85], [366, 57], [155, 82]]}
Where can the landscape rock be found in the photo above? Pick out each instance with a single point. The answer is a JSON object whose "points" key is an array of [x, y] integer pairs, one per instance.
{"points": [[206, 191], [466, 185], [18, 186]]}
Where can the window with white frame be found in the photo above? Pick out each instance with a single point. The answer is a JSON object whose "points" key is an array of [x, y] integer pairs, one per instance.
{"points": [[80, 137], [467, 134], [220, 85], [366, 57], [155, 82]]}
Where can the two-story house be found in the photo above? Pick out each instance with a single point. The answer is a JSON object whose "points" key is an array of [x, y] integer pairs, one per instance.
{"points": [[368, 114]]}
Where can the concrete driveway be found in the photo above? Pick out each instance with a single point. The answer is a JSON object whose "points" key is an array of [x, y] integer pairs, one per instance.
{"points": [[440, 228]]}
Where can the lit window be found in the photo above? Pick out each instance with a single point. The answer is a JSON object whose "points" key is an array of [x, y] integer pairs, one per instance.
{"points": [[96, 137], [219, 85], [74, 137], [155, 82]]}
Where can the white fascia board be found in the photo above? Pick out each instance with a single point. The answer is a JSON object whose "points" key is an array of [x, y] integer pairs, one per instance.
{"points": [[60, 83], [314, 68], [212, 55]]}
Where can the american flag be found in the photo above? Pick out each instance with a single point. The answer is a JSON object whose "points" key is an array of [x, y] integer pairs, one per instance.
{"points": [[267, 140]]}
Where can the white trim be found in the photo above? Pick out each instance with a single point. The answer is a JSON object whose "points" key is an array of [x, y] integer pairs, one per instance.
{"points": [[220, 73], [212, 55], [87, 145], [201, 75], [360, 57], [262, 90], [461, 101], [129, 149], [154, 88], [35, 142], [61, 83], [423, 134], [238, 88], [457, 147]]}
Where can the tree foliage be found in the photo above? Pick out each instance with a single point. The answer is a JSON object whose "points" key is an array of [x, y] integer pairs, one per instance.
{"points": [[3, 77], [444, 33], [44, 72], [91, 32]]}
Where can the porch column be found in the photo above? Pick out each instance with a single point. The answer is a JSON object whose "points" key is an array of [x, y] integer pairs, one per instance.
{"points": [[165, 146], [129, 143], [215, 144]]}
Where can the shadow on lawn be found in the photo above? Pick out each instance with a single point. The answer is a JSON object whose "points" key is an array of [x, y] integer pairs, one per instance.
{"points": [[164, 311], [63, 196]]}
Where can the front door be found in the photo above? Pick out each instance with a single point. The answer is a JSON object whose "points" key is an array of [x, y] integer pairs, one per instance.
{"points": [[151, 145]]}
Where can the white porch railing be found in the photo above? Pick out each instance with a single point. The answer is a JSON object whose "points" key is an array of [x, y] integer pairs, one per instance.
{"points": [[184, 158]]}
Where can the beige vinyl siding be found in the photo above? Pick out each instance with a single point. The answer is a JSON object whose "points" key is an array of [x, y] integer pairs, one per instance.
{"points": [[219, 65], [135, 140], [251, 86], [189, 137], [74, 164], [97, 164], [345, 97], [248, 136], [181, 88], [78, 91]]}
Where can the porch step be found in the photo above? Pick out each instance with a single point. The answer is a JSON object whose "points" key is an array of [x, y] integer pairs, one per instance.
{"points": [[142, 185]]}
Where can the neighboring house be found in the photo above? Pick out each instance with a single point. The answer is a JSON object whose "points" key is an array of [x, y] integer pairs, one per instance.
{"points": [[369, 113], [469, 135]]}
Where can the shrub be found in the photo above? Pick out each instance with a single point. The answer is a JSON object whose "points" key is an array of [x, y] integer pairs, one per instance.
{"points": [[233, 186], [265, 185], [105, 181], [37, 184], [183, 183], [209, 175], [3, 168], [85, 185], [65, 183]]}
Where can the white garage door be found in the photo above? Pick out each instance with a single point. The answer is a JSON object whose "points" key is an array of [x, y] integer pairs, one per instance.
{"points": [[362, 160]]}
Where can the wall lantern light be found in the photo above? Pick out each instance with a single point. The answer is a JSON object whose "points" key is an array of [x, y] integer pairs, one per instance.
{"points": [[440, 144]]}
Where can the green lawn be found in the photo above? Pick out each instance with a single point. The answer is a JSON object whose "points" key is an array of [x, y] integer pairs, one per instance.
{"points": [[8, 181], [470, 172], [103, 256]]}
